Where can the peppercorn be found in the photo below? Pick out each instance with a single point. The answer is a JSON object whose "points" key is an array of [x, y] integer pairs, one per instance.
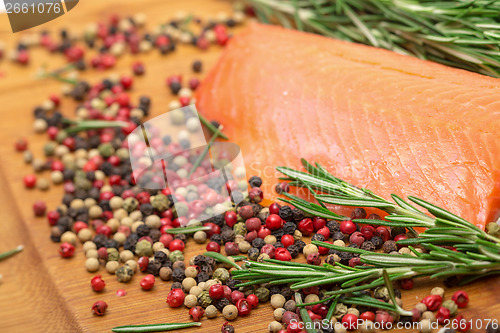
{"points": [[165, 273], [240, 229], [318, 237], [451, 306], [340, 311], [338, 236], [99, 308], [154, 267], [204, 299], [277, 301], [262, 294], [368, 246], [124, 274], [389, 246], [358, 213], [197, 66], [176, 255], [461, 298], [160, 202], [178, 275], [253, 253], [230, 312], [200, 237], [255, 181], [144, 248], [286, 213]]}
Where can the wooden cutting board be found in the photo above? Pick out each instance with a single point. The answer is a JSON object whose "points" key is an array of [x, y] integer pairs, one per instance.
{"points": [[40, 291]]}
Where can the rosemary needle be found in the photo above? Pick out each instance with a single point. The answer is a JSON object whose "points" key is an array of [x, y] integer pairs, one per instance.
{"points": [[154, 327], [200, 158], [9, 253], [211, 126]]}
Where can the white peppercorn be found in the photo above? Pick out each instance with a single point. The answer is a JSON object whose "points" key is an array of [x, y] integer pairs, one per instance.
{"points": [[188, 283], [210, 311], [89, 245], [367, 327], [69, 237], [196, 290], [126, 255], [200, 237], [277, 301], [278, 314], [158, 246], [92, 264], [132, 264], [85, 235], [120, 237], [230, 312], [112, 267], [310, 249], [428, 315], [191, 272], [311, 298], [92, 253], [190, 301], [270, 239], [425, 326], [438, 291], [275, 327]]}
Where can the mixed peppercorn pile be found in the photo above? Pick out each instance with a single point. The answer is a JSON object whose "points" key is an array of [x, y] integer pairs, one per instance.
{"points": [[129, 230]]}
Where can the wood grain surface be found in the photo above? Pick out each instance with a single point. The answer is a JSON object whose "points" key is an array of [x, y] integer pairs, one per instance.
{"points": [[40, 291]]}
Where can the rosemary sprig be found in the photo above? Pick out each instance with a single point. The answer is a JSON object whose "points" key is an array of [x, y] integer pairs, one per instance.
{"points": [[461, 34], [222, 258], [85, 125], [204, 153], [154, 327], [308, 323], [186, 230], [443, 228], [10, 253], [211, 126]]}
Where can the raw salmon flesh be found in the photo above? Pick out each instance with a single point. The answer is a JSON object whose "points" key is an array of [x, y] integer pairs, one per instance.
{"points": [[388, 122]]}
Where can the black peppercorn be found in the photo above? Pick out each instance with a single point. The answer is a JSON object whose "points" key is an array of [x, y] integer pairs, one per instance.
{"points": [[397, 293], [200, 260], [202, 277], [176, 285], [216, 238], [278, 245], [100, 240], [318, 237], [278, 233], [298, 215], [333, 226], [390, 246], [258, 243], [231, 283], [161, 257], [374, 217], [55, 234], [451, 281], [255, 181], [253, 253], [146, 209], [221, 303], [197, 66], [289, 228], [182, 237], [218, 219], [154, 267], [143, 230], [368, 246], [111, 243], [227, 235], [397, 231], [338, 236], [294, 250], [345, 257], [155, 235], [377, 241], [286, 213], [287, 292], [358, 213], [274, 289], [300, 244], [178, 275]]}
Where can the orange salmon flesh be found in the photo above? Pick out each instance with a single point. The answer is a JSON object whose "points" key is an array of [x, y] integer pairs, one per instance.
{"points": [[377, 119]]}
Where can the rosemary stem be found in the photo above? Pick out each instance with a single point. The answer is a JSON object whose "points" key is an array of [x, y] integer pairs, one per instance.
{"points": [[205, 150], [9, 253]]}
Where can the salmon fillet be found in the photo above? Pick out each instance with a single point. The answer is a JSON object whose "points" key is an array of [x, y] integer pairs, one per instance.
{"points": [[380, 120]]}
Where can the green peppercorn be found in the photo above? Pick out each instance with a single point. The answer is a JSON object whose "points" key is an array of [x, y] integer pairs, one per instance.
{"points": [[452, 306], [493, 228], [262, 294], [340, 311], [106, 149], [160, 202], [221, 274], [130, 204], [204, 299], [144, 248], [240, 229], [113, 254], [176, 255], [83, 183], [253, 253], [382, 293], [49, 149], [124, 274]]}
